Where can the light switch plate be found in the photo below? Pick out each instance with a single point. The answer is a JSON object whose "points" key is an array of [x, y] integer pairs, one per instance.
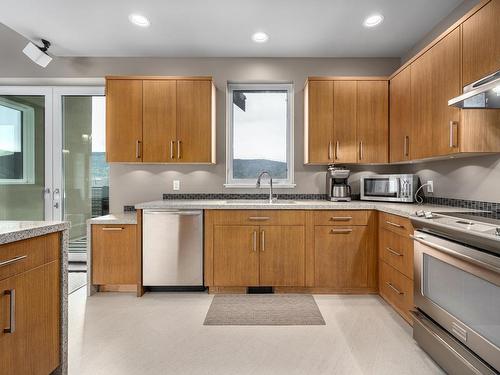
{"points": [[176, 185]]}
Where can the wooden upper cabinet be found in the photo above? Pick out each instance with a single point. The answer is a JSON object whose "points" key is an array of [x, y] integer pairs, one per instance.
{"points": [[445, 84], [124, 120], [159, 120], [481, 43], [344, 121], [400, 116], [282, 255], [319, 122], [194, 121], [373, 121]]}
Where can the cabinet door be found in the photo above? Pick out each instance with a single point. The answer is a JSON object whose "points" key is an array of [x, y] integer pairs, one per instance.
{"points": [[194, 121], [344, 121], [236, 255], [481, 44], [34, 346], [282, 255], [114, 254], [341, 257], [400, 116], [319, 122], [421, 107], [445, 84], [124, 120], [373, 127], [159, 120]]}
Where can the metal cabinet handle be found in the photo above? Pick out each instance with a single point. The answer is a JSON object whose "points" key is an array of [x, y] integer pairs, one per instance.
{"points": [[453, 134], [393, 252], [13, 260], [172, 143], [361, 150], [407, 146], [179, 143], [113, 228], [337, 147], [334, 231], [138, 149], [262, 240], [394, 288], [12, 309], [330, 150], [254, 241], [341, 218], [394, 224], [259, 218]]}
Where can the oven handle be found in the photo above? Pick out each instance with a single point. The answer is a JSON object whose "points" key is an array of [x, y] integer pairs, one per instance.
{"points": [[456, 254]]}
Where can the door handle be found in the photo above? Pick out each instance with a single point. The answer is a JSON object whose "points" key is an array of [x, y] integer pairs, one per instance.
{"points": [[334, 231], [330, 150], [179, 143], [13, 260], [172, 149], [112, 228], [361, 150], [393, 252], [453, 134], [394, 224], [259, 218], [407, 146], [341, 218], [12, 309], [262, 240], [394, 288], [337, 146], [254, 241], [138, 149]]}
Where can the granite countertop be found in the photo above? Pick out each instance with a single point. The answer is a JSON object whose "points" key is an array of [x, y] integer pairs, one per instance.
{"points": [[401, 209], [11, 231], [117, 218]]}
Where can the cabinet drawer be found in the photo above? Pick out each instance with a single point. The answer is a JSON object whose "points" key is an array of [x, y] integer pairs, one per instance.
{"points": [[341, 218], [396, 251], [20, 256], [259, 217], [114, 254], [396, 224], [396, 288]]}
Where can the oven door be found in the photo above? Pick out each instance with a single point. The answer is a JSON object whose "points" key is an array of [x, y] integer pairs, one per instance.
{"points": [[459, 288]]}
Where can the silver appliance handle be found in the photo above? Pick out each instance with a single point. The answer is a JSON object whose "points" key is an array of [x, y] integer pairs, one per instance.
{"points": [[178, 213], [485, 264]]}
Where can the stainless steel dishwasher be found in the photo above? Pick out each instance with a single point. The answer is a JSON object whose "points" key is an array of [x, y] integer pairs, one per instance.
{"points": [[172, 253]]}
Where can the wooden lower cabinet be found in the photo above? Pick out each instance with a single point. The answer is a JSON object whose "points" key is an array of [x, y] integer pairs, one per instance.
{"points": [[34, 345], [397, 289], [236, 256], [343, 259], [282, 255], [114, 254]]}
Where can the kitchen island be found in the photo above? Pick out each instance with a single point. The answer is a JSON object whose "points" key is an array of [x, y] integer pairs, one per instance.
{"points": [[34, 297]]}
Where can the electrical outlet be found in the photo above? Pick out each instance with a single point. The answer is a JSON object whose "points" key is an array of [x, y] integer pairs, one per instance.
{"points": [[176, 185], [430, 186]]}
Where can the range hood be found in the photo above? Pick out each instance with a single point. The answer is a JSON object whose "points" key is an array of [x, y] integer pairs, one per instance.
{"points": [[482, 94]]}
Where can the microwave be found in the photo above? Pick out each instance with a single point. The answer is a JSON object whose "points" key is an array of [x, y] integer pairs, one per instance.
{"points": [[389, 187]]}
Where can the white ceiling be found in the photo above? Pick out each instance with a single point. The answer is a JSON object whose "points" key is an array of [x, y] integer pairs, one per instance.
{"points": [[223, 28]]}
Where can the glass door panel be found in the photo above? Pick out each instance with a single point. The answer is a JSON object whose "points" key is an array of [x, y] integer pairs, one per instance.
{"points": [[22, 157]]}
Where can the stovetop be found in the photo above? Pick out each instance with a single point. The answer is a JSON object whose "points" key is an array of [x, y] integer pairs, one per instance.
{"points": [[476, 229]]}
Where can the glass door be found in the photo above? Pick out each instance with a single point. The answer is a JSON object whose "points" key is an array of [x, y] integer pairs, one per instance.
{"points": [[25, 153], [79, 153]]}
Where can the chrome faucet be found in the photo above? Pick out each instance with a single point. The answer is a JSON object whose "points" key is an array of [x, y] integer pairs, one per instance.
{"points": [[271, 199]]}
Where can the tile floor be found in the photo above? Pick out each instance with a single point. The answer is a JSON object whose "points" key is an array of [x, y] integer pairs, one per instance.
{"points": [[163, 333]]}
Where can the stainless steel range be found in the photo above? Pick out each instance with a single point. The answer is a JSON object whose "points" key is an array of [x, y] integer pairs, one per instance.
{"points": [[457, 290]]}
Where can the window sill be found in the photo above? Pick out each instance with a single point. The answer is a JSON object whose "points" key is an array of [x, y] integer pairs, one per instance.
{"points": [[252, 186]]}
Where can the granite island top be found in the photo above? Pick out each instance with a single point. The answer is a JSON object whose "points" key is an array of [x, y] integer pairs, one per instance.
{"points": [[11, 231], [401, 209]]}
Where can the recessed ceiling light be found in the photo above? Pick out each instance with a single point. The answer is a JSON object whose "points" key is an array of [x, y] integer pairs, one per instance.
{"points": [[139, 20], [260, 37], [373, 20]]}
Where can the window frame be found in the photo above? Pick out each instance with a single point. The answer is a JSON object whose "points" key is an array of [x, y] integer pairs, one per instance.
{"points": [[28, 143], [231, 182]]}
